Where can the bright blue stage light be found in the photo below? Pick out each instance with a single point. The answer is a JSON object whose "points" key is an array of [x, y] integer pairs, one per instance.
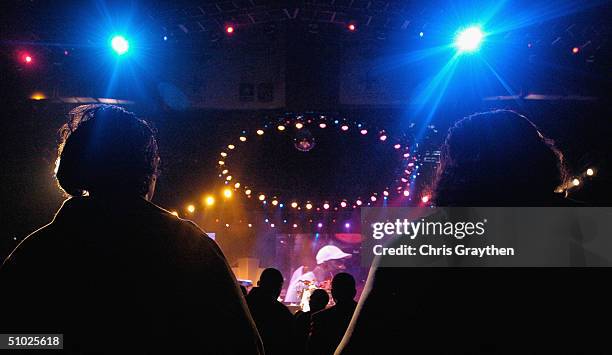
{"points": [[469, 39], [120, 45]]}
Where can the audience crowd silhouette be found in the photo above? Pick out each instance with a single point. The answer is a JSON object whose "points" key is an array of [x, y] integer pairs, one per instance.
{"points": [[114, 271]]}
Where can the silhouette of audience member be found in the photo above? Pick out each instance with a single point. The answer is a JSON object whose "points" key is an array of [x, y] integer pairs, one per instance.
{"points": [[274, 320], [318, 301], [486, 153], [497, 158], [329, 325], [112, 271]]}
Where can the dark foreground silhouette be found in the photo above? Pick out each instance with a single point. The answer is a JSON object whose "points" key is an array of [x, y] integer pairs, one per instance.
{"points": [[113, 272], [125, 275]]}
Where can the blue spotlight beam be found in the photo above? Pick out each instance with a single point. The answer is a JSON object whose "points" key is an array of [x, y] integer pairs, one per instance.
{"points": [[469, 39], [501, 81], [120, 45]]}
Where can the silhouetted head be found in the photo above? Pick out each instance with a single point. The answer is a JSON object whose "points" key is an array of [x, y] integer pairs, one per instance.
{"points": [[105, 149], [497, 158], [318, 300], [343, 287], [271, 282]]}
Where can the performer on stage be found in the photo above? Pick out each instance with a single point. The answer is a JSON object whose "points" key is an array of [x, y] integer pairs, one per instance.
{"points": [[330, 261]]}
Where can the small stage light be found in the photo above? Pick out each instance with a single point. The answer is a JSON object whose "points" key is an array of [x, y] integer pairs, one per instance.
{"points": [[274, 202], [590, 172], [237, 185], [262, 197], [344, 128], [469, 39], [326, 206], [575, 50], [165, 38], [319, 224], [309, 206], [260, 132], [38, 96], [227, 193], [299, 125], [281, 127], [576, 182], [27, 58], [406, 193], [421, 34], [191, 208], [243, 139], [373, 198], [383, 138], [250, 225], [352, 27], [364, 131], [210, 200], [347, 225], [174, 213], [322, 125], [358, 202], [343, 204], [294, 225], [294, 204], [229, 29], [425, 199], [120, 45]]}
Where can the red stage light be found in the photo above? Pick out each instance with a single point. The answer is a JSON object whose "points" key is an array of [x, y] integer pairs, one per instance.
{"points": [[352, 27], [229, 29], [27, 58]]}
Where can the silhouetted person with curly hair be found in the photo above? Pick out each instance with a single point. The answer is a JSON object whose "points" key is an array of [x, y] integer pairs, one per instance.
{"points": [[496, 158], [112, 271]]}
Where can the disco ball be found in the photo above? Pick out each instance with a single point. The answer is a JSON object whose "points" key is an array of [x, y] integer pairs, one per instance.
{"points": [[304, 141]]}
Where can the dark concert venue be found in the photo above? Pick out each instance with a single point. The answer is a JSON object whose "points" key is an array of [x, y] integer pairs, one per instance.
{"points": [[308, 177]]}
